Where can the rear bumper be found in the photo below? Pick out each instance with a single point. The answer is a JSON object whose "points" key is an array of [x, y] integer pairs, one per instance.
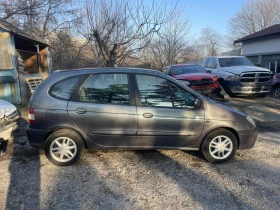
{"points": [[248, 89], [247, 138], [36, 137]]}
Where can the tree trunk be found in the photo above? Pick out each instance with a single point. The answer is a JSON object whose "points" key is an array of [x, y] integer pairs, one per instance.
{"points": [[110, 63]]}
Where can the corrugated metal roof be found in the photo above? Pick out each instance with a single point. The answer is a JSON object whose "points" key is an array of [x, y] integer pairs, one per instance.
{"points": [[10, 27], [270, 31]]}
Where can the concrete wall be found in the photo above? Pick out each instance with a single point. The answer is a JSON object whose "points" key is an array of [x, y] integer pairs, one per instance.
{"points": [[270, 45]]}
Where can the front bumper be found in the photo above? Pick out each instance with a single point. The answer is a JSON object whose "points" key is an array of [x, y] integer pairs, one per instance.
{"points": [[247, 88], [247, 138], [205, 89], [9, 123], [36, 137]]}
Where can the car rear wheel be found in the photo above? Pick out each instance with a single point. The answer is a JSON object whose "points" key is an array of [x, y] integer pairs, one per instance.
{"points": [[64, 147], [219, 146]]}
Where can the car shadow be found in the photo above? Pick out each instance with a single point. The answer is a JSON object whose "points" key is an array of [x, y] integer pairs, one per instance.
{"points": [[24, 168], [192, 180], [95, 187]]}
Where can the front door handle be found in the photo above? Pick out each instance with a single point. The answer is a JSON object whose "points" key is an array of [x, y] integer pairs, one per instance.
{"points": [[148, 115], [80, 111]]}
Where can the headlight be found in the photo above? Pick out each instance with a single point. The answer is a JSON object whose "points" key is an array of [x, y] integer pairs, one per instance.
{"points": [[251, 120], [233, 78], [184, 82]]}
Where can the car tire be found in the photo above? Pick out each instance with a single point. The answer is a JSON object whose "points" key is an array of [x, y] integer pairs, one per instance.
{"points": [[219, 146], [64, 147], [276, 91]]}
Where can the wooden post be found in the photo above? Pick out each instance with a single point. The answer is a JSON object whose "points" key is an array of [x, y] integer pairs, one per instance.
{"points": [[38, 58]]}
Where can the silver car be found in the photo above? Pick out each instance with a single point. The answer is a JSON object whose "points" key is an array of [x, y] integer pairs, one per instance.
{"points": [[126, 108]]}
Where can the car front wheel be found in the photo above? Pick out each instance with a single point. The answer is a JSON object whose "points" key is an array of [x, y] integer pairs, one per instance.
{"points": [[64, 147], [219, 146], [276, 91]]}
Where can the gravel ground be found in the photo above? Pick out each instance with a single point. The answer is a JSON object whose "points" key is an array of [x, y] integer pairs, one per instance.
{"points": [[163, 179]]}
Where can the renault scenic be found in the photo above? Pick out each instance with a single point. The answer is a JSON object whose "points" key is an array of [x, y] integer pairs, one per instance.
{"points": [[126, 108]]}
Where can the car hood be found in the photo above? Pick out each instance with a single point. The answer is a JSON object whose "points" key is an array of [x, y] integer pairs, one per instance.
{"points": [[218, 111], [241, 69], [194, 76], [6, 108]]}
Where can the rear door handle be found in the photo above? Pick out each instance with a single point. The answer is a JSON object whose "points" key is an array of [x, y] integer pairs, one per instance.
{"points": [[148, 115], [80, 111]]}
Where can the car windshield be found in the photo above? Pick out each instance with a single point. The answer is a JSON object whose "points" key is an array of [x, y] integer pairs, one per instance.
{"points": [[235, 61], [187, 69]]}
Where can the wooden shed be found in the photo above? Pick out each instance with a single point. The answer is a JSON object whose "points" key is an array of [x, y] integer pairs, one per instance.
{"points": [[24, 63]]}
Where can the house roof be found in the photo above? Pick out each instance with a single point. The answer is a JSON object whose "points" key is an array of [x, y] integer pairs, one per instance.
{"points": [[18, 32], [270, 31]]}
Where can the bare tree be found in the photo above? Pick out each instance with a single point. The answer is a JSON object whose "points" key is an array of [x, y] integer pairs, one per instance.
{"points": [[39, 18], [211, 41], [69, 52], [122, 28], [254, 16], [11, 8], [173, 40], [195, 52]]}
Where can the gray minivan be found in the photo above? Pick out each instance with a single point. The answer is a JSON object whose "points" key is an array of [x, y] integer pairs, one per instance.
{"points": [[127, 108]]}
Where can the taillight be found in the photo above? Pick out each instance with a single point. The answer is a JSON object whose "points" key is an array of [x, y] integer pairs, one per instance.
{"points": [[31, 116], [214, 79]]}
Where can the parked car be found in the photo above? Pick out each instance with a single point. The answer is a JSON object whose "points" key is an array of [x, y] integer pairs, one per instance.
{"points": [[238, 75], [194, 76], [276, 85], [123, 108]]}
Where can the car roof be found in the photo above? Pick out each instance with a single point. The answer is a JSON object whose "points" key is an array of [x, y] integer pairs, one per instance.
{"points": [[107, 70], [229, 56], [183, 64]]}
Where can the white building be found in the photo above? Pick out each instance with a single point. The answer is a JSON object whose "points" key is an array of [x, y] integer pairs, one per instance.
{"points": [[263, 47]]}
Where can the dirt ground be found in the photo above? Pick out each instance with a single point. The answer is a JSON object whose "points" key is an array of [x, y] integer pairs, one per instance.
{"points": [[163, 179]]}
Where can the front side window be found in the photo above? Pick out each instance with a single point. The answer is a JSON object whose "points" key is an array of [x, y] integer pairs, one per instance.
{"points": [[181, 98], [213, 63], [64, 88], [205, 65], [106, 88], [154, 91]]}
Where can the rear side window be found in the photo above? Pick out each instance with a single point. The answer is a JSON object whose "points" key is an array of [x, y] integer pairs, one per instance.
{"points": [[106, 88], [64, 88]]}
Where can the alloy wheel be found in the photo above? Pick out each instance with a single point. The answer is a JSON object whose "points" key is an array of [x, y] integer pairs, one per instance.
{"points": [[63, 149], [220, 147]]}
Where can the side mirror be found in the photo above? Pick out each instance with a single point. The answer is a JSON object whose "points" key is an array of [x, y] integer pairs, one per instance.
{"points": [[209, 71], [185, 82], [258, 65], [194, 104]]}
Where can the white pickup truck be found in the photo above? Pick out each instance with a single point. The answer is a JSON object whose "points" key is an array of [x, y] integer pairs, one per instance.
{"points": [[238, 75]]}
